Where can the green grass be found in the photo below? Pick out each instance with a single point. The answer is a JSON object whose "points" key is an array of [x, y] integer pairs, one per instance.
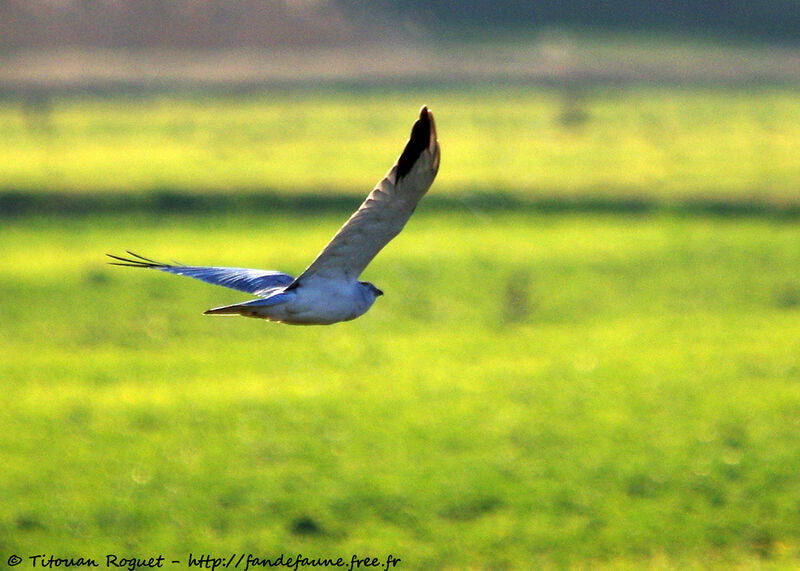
{"points": [[562, 390], [532, 391], [667, 143]]}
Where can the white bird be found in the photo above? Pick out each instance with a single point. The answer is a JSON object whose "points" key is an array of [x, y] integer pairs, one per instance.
{"points": [[328, 291]]}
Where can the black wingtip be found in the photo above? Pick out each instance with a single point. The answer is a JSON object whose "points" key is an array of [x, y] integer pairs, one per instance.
{"points": [[419, 141], [136, 262]]}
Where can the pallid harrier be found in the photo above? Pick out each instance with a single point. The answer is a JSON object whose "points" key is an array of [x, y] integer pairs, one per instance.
{"points": [[328, 291]]}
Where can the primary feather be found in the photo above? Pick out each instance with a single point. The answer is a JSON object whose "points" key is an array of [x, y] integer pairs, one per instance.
{"points": [[256, 282]]}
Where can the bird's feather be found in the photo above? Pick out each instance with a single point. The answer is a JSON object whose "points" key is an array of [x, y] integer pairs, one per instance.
{"points": [[385, 211], [248, 307], [256, 282]]}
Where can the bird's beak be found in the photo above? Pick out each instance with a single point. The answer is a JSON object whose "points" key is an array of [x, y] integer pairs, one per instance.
{"points": [[378, 292]]}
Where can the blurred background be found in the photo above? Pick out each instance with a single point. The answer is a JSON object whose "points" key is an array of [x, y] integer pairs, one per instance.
{"points": [[96, 44], [588, 354]]}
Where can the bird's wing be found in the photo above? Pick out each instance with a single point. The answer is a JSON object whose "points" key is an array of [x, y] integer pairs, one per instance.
{"points": [[385, 211], [256, 282]]}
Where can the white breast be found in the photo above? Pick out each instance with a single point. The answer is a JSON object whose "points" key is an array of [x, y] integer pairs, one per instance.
{"points": [[324, 301]]}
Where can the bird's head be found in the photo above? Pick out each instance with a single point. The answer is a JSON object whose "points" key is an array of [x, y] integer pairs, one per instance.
{"points": [[372, 289]]}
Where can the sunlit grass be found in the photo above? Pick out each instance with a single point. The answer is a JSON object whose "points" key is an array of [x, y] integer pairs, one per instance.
{"points": [[668, 143], [576, 390], [581, 390]]}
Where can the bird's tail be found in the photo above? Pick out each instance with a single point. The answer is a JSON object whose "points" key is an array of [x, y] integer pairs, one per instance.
{"points": [[254, 308]]}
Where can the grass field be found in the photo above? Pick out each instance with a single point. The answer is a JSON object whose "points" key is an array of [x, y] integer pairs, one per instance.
{"points": [[666, 143], [534, 390], [610, 390]]}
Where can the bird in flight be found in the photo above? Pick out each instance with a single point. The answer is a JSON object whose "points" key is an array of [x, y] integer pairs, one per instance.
{"points": [[328, 291]]}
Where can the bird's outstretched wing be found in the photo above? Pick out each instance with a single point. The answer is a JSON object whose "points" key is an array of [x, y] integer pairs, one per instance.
{"points": [[385, 211], [256, 282]]}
